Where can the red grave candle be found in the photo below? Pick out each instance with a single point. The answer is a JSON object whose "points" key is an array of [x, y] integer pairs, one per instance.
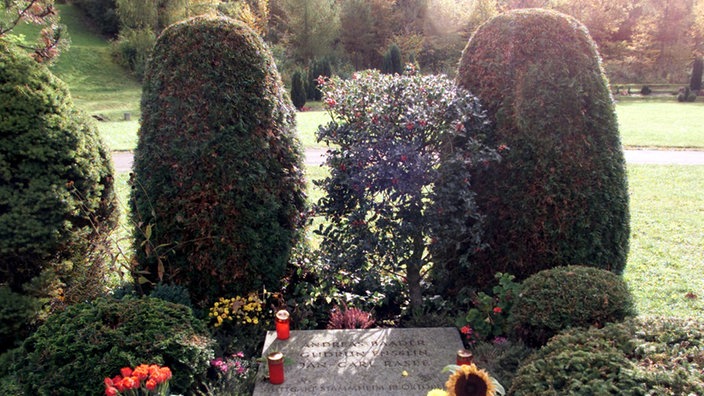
{"points": [[464, 357], [275, 360], [283, 328]]}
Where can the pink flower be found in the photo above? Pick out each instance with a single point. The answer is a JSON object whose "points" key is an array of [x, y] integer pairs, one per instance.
{"points": [[111, 391], [466, 330], [497, 310]]}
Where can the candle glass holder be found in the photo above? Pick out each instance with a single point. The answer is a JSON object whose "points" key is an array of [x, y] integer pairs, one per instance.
{"points": [[283, 325], [275, 362], [464, 357]]}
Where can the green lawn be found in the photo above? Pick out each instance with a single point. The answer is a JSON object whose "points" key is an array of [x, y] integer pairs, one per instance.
{"points": [[661, 123], [666, 253]]}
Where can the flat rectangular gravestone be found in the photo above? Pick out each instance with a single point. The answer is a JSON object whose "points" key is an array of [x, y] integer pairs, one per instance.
{"points": [[361, 362]]}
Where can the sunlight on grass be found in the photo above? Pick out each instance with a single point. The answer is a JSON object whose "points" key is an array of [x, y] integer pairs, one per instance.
{"points": [[666, 255], [307, 124], [119, 135], [663, 124]]}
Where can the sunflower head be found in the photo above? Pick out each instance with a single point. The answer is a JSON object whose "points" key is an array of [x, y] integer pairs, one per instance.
{"points": [[468, 380]]}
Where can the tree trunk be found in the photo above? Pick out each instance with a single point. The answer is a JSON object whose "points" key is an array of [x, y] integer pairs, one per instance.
{"points": [[413, 268]]}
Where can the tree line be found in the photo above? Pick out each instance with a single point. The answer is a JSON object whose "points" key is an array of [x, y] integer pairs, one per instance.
{"points": [[654, 41]]}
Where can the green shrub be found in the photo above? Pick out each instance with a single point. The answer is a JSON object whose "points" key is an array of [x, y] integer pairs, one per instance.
{"points": [[487, 319], [218, 188], [642, 356], [16, 314], [501, 358], [75, 349], [392, 63], [686, 95], [298, 90], [559, 195], [102, 13], [572, 296], [57, 202], [316, 69], [172, 293], [132, 49]]}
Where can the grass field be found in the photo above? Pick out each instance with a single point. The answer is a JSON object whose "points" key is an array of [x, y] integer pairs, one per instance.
{"points": [[664, 123], [666, 256]]}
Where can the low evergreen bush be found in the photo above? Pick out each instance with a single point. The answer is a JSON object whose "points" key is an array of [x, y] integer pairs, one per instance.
{"points": [[17, 312], [75, 349], [686, 95], [641, 356], [57, 203], [563, 297]]}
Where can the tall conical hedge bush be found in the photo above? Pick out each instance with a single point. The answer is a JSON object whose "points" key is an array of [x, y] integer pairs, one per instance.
{"points": [[218, 185], [57, 201], [559, 195]]}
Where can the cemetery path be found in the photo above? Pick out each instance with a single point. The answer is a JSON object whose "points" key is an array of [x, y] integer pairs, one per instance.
{"points": [[123, 159]]}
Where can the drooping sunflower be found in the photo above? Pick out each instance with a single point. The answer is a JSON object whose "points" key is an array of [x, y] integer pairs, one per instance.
{"points": [[468, 380]]}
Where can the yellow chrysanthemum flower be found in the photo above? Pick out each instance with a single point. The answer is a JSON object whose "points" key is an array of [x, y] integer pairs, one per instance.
{"points": [[437, 392], [470, 381]]}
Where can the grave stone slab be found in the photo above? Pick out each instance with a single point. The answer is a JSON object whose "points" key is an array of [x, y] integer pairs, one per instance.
{"points": [[362, 362]]}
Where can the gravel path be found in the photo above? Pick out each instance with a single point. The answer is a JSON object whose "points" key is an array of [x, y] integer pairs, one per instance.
{"points": [[123, 159]]}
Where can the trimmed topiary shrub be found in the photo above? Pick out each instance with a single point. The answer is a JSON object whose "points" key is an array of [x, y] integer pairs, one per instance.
{"points": [[75, 349], [57, 202], [559, 195], [642, 356], [298, 90], [218, 189], [573, 296]]}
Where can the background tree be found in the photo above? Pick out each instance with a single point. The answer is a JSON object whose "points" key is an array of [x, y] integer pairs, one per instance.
{"points": [[312, 28], [695, 83], [394, 137], [559, 195], [52, 38]]}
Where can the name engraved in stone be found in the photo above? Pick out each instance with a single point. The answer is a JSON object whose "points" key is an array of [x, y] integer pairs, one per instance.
{"points": [[370, 362]]}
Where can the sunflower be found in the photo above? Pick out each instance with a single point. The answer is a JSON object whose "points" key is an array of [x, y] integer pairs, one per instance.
{"points": [[468, 380]]}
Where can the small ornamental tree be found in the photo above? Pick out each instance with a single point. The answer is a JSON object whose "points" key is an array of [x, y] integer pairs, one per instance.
{"points": [[393, 138], [57, 202], [218, 188], [559, 196]]}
